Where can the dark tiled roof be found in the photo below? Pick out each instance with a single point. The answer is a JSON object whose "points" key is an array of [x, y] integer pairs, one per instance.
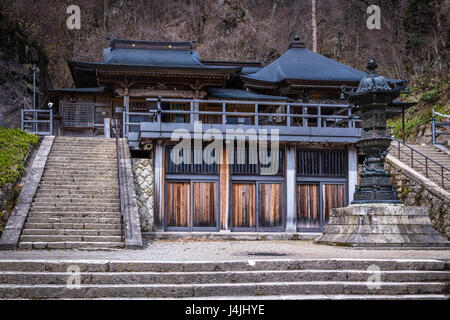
{"points": [[154, 54], [237, 94], [300, 63]]}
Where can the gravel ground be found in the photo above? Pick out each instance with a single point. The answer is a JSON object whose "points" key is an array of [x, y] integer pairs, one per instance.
{"points": [[182, 250]]}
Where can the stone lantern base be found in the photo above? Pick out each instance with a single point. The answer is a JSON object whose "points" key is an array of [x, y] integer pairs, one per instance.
{"points": [[381, 225]]}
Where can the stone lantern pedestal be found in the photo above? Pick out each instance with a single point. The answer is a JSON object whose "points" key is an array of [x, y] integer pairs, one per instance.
{"points": [[381, 225], [376, 218]]}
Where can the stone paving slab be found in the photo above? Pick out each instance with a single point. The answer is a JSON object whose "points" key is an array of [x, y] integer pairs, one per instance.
{"points": [[214, 250]]}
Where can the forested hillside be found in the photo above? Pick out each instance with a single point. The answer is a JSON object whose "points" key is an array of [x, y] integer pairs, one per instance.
{"points": [[413, 41]]}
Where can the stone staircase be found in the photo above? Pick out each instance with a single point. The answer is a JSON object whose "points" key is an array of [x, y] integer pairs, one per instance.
{"points": [[433, 152], [258, 279], [77, 203]]}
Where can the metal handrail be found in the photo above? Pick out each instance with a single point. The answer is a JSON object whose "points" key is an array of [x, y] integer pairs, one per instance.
{"points": [[413, 151], [119, 173], [435, 124], [34, 121]]}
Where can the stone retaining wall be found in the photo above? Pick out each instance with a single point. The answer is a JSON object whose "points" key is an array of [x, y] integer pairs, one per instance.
{"points": [[143, 185], [415, 189]]}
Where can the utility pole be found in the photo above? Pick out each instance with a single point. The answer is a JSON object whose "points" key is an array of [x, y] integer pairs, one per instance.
{"points": [[314, 24], [34, 86]]}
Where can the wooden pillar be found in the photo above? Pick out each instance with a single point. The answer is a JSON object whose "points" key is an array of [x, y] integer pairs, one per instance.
{"points": [[196, 105], [352, 172], [126, 104], [159, 187], [224, 180], [291, 190]]}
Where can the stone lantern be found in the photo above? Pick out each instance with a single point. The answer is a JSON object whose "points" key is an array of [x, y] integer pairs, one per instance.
{"points": [[376, 218], [373, 96]]}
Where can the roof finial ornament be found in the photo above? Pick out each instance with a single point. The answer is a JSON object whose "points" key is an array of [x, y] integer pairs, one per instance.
{"points": [[371, 65]]}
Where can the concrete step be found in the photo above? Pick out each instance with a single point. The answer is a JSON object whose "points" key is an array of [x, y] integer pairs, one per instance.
{"points": [[70, 245], [71, 238], [79, 220], [72, 226], [77, 232], [205, 290], [88, 278]]}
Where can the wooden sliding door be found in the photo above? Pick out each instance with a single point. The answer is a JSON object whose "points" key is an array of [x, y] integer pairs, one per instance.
{"points": [[243, 205], [178, 213], [204, 204], [314, 204], [270, 203], [333, 197], [308, 206], [191, 205], [257, 206]]}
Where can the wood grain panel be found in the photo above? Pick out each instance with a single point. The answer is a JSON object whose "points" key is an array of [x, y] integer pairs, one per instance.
{"points": [[333, 197], [270, 205], [308, 206], [204, 204], [243, 207], [178, 204]]}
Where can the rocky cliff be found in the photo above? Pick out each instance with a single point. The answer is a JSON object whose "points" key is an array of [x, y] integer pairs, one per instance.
{"points": [[17, 58]]}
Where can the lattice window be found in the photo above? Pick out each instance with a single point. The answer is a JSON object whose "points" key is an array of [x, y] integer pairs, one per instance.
{"points": [[78, 115], [321, 163]]}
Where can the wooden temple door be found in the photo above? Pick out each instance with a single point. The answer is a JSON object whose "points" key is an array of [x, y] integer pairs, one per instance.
{"points": [[257, 206], [314, 204], [191, 205]]}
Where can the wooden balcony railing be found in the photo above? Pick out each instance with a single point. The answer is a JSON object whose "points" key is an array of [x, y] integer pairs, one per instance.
{"points": [[227, 114]]}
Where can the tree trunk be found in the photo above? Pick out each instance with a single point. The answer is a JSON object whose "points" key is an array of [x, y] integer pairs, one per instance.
{"points": [[314, 24]]}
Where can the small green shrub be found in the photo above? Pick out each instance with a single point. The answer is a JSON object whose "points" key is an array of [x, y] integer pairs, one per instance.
{"points": [[14, 147]]}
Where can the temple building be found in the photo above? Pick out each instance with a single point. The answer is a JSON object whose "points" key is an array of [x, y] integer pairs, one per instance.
{"points": [[158, 90]]}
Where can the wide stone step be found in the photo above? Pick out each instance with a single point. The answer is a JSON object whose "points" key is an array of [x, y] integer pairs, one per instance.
{"points": [[70, 245], [88, 278], [73, 198], [80, 181], [85, 150], [205, 290], [58, 165], [72, 226], [86, 183], [80, 172], [86, 175], [222, 266], [53, 192], [71, 238], [76, 232], [37, 214], [92, 201], [73, 187], [75, 207], [79, 220]]}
